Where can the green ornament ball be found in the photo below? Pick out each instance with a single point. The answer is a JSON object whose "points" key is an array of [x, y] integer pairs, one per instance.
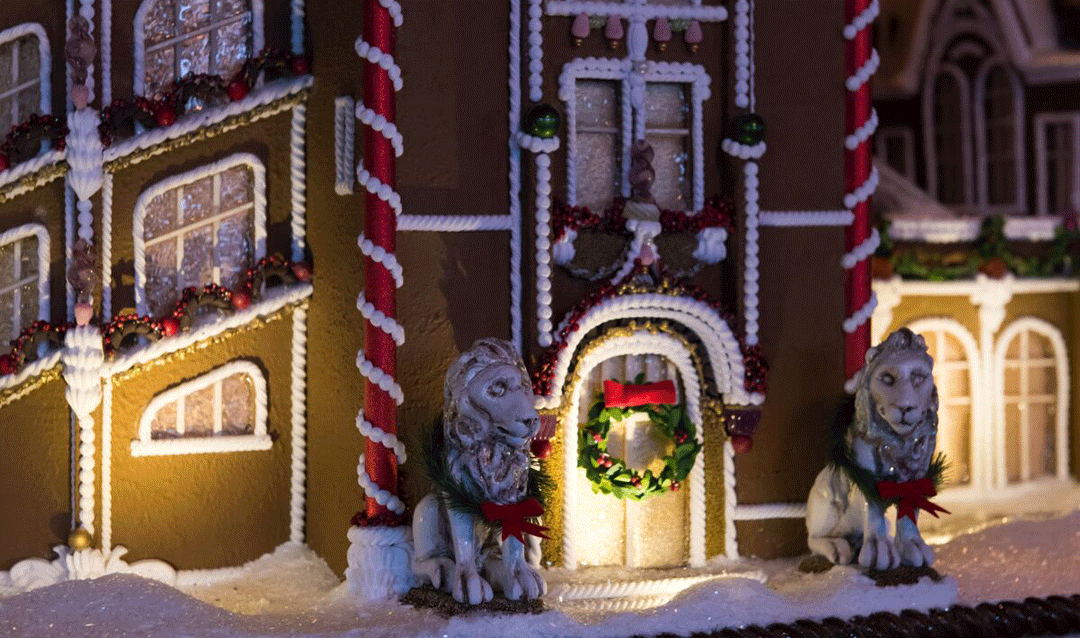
{"points": [[748, 129], [542, 120]]}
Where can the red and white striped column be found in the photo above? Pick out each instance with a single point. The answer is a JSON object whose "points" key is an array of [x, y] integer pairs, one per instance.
{"points": [[860, 179]]}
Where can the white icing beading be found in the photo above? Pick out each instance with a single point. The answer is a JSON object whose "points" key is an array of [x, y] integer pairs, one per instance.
{"points": [[632, 10], [752, 263], [742, 56], [743, 151], [380, 320], [298, 413], [106, 51], [380, 256], [298, 182], [380, 436], [454, 223], [536, 51], [862, 251], [862, 76], [86, 10], [344, 143], [535, 144], [861, 316], [83, 358], [543, 249], [863, 133], [383, 497], [806, 218], [381, 125], [862, 20], [380, 378], [863, 191], [514, 122]]}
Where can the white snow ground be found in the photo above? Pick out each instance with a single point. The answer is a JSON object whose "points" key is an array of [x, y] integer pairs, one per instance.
{"points": [[292, 593]]}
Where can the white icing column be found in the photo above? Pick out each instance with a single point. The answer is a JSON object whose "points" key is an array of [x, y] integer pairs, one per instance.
{"points": [[83, 357]]}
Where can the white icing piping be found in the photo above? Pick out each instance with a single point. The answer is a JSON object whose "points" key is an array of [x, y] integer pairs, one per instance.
{"points": [[380, 562], [84, 158], [535, 144], [536, 51], [83, 357], [106, 245], [385, 259], [720, 343], [106, 56], [743, 151], [380, 436], [86, 10], [862, 76], [43, 260], [165, 185], [673, 350], [454, 223], [742, 55], [274, 300], [380, 320], [514, 118], [298, 182], [298, 413], [372, 490], [863, 191], [770, 510], [805, 218], [862, 20], [31, 166], [731, 501], [297, 26], [44, 55], [641, 11], [192, 122], [344, 143], [861, 316], [106, 463], [69, 245], [863, 133], [543, 249], [862, 251], [146, 445], [751, 274], [381, 125], [380, 378], [626, 589], [30, 370]]}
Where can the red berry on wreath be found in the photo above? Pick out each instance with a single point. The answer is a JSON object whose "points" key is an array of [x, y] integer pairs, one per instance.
{"points": [[237, 89], [541, 448], [302, 271], [675, 486], [165, 115], [170, 326], [300, 65], [7, 364], [742, 443], [241, 300], [597, 437], [4, 163]]}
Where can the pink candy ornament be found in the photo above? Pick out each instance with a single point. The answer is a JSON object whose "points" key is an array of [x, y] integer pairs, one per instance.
{"points": [[613, 31], [693, 36], [661, 33], [579, 30]]}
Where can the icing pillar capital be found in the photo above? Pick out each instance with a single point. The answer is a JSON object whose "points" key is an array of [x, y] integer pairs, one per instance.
{"points": [[637, 37], [888, 297], [83, 357], [991, 296]]}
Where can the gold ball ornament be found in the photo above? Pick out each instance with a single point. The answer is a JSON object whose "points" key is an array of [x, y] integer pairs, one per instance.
{"points": [[79, 539]]}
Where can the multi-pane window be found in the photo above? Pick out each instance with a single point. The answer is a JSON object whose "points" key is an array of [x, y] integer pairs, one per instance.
{"points": [[999, 110], [949, 139], [223, 410], [952, 376], [599, 147], [1030, 402], [21, 283], [20, 77], [667, 129], [193, 36], [1058, 167], [202, 227]]}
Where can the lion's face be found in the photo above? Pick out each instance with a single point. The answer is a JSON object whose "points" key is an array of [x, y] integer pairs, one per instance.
{"points": [[902, 390], [502, 396]]}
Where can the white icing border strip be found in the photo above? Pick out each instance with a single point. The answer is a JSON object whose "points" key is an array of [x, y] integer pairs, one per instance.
{"points": [[344, 144], [514, 117], [106, 463], [30, 370], [673, 350], [536, 51], [535, 144], [192, 122], [454, 223], [805, 218], [106, 245], [44, 55], [751, 274], [273, 301], [298, 424], [146, 445], [31, 166], [206, 170], [106, 52], [297, 182], [44, 259], [743, 151], [543, 249], [743, 73], [633, 10]]}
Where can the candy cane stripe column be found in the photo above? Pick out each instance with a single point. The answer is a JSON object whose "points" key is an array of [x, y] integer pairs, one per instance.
{"points": [[860, 181]]}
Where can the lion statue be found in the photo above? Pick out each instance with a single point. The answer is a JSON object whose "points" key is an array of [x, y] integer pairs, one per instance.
{"points": [[488, 420], [890, 437]]}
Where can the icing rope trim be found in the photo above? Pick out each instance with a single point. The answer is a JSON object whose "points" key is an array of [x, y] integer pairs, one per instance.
{"points": [[381, 496], [379, 377], [380, 436], [380, 320], [862, 251], [379, 255]]}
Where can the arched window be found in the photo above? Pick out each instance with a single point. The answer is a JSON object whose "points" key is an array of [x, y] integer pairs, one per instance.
{"points": [[176, 37], [950, 144], [24, 74], [204, 226], [24, 278], [998, 142], [1033, 380]]}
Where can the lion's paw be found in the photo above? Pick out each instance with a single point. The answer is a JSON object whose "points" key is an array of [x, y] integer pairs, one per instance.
{"points": [[878, 552], [915, 552], [834, 548], [469, 587], [521, 579], [437, 570]]}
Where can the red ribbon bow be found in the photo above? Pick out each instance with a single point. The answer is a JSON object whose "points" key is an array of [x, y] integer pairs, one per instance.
{"points": [[512, 517], [628, 395], [913, 496]]}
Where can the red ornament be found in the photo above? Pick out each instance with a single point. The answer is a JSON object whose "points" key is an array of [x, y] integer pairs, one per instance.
{"points": [[170, 326], [4, 163], [742, 443], [300, 65], [7, 364], [541, 448], [237, 90], [302, 271], [165, 115], [241, 300]]}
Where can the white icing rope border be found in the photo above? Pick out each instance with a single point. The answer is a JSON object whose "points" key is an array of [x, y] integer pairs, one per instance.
{"points": [[381, 496], [298, 414], [298, 181], [106, 463], [379, 377], [344, 144], [31, 166], [637, 10], [86, 10], [379, 255], [862, 251], [514, 151], [731, 540], [751, 276], [862, 76], [543, 249], [380, 320], [454, 223], [381, 125], [535, 144], [862, 20], [106, 57], [382, 437], [863, 191], [863, 133], [536, 51], [805, 218], [106, 245], [861, 316]]}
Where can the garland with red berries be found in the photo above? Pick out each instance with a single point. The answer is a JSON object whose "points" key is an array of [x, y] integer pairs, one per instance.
{"points": [[717, 213], [611, 475], [23, 141]]}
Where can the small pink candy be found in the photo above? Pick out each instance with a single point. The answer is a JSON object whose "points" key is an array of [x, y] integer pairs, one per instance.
{"points": [[80, 96], [613, 29], [647, 256], [580, 27], [693, 33], [661, 30]]}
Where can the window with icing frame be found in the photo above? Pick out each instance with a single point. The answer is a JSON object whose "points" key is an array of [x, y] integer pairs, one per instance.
{"points": [[1057, 163], [602, 124], [224, 410], [24, 278], [204, 226], [24, 74], [174, 38]]}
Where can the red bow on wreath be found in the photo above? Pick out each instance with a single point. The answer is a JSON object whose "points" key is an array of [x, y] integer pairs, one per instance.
{"points": [[629, 395], [913, 496], [512, 517]]}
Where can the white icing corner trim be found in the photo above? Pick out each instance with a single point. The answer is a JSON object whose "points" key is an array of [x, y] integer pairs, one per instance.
{"points": [[297, 181], [44, 55], [743, 151], [84, 564], [207, 170], [535, 144], [344, 145], [146, 445], [298, 413], [14, 236]]}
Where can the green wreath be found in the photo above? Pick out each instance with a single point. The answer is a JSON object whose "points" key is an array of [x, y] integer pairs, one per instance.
{"points": [[610, 475]]}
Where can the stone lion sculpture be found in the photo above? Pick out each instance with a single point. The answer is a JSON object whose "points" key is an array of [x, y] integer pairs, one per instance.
{"points": [[488, 420], [890, 438]]}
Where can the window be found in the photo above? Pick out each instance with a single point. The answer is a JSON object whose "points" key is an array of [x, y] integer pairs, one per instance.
{"points": [[999, 144], [950, 141], [24, 74], [1057, 162], [1033, 380], [221, 411], [603, 122], [176, 37], [895, 145], [24, 279], [204, 226]]}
